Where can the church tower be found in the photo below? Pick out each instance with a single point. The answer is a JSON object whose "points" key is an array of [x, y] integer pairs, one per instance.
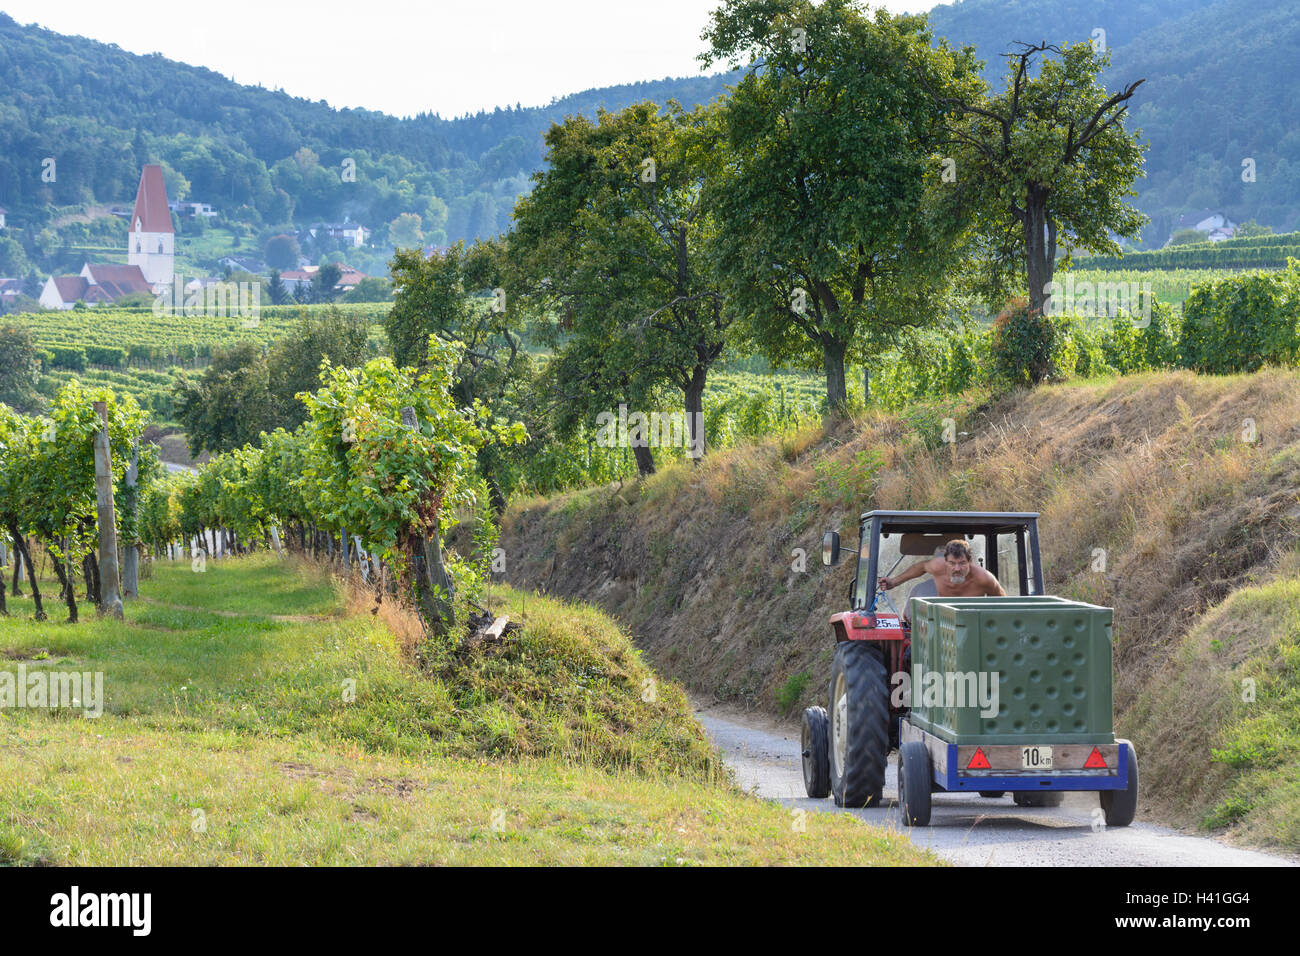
{"points": [[152, 241]]}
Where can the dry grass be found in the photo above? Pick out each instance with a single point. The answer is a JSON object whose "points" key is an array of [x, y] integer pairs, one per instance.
{"points": [[701, 562]]}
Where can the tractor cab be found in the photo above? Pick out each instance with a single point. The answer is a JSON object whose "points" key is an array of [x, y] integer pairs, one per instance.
{"points": [[1003, 543]]}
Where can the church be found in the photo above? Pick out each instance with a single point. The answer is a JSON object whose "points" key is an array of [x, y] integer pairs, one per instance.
{"points": [[150, 255]]}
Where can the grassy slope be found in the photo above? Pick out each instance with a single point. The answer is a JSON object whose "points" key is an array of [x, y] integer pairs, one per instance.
{"points": [[701, 563], [227, 738]]}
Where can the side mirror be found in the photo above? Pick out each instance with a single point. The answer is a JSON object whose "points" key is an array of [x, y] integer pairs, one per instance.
{"points": [[831, 548]]}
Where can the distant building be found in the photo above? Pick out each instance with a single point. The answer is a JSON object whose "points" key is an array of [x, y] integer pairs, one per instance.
{"points": [[1206, 221], [94, 285], [352, 233], [349, 278], [152, 240], [10, 289], [191, 209], [150, 255], [3, 212]]}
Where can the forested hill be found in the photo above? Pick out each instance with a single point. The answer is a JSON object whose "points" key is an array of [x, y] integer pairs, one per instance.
{"points": [[1221, 80], [1220, 77], [102, 112]]}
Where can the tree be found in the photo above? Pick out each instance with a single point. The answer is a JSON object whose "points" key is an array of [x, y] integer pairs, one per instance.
{"points": [[18, 368], [324, 281], [277, 292], [1045, 162], [826, 235], [370, 289], [612, 240], [1251, 228], [404, 231], [282, 252], [294, 361], [1183, 237], [450, 297], [229, 404]]}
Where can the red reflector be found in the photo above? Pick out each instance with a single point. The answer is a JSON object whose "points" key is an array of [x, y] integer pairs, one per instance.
{"points": [[1095, 761], [978, 761]]}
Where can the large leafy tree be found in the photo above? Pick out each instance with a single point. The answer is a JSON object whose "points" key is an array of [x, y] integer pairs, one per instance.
{"points": [[612, 243], [229, 404], [828, 234], [1044, 164], [460, 296]]}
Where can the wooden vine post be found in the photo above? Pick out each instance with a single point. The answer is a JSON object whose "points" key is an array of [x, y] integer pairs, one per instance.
{"points": [[110, 583]]}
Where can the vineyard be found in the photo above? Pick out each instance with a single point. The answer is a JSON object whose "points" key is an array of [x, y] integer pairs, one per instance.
{"points": [[1254, 252], [138, 338]]}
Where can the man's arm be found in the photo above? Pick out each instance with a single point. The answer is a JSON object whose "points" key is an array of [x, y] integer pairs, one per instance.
{"points": [[915, 571], [992, 586]]}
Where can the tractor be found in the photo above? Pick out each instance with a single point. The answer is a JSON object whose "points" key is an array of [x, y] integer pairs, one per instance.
{"points": [[989, 695]]}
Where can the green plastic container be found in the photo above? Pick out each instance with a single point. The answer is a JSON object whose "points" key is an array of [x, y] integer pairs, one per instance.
{"points": [[1051, 658]]}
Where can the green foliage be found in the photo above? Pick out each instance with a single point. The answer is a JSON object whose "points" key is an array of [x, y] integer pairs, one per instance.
{"points": [[18, 367], [1241, 324], [829, 226], [1265, 251], [1024, 344], [68, 357], [853, 480], [791, 692]]}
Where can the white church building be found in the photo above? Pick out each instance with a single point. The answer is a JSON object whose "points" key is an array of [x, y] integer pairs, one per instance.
{"points": [[150, 257]]}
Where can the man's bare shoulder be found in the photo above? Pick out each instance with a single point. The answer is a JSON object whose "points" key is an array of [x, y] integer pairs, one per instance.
{"points": [[986, 577]]}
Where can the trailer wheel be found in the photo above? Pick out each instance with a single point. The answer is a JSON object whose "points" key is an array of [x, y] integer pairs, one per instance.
{"points": [[859, 724], [914, 780], [993, 794], [1030, 798], [1120, 806], [815, 745]]}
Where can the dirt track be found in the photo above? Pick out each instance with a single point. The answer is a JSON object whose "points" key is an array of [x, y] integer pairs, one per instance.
{"points": [[969, 830]]}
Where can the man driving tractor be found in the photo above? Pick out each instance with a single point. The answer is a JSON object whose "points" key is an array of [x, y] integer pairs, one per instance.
{"points": [[954, 574]]}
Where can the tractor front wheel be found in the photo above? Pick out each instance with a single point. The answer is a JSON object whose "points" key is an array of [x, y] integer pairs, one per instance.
{"points": [[859, 718], [815, 745]]}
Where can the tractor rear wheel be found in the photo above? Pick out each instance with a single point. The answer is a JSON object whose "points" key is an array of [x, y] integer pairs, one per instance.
{"points": [[815, 745], [859, 718], [1120, 806], [914, 783]]}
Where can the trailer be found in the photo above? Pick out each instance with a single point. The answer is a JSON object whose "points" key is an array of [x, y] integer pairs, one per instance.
{"points": [[978, 694]]}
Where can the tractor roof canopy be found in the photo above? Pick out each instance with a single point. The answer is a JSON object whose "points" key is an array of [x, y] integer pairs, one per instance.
{"points": [[939, 522]]}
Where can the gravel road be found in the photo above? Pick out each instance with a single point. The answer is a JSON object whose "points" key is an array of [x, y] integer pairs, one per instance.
{"points": [[970, 830]]}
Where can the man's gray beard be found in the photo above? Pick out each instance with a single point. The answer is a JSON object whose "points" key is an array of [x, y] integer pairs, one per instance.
{"points": [[956, 579]]}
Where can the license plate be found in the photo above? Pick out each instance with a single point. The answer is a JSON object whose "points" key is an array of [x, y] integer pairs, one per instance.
{"points": [[1035, 758]]}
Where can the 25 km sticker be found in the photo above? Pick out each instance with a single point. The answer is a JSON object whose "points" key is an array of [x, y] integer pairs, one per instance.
{"points": [[1036, 758]]}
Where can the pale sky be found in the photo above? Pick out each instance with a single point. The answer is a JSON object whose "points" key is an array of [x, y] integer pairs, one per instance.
{"points": [[407, 57]]}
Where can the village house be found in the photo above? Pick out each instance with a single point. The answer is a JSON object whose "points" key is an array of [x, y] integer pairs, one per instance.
{"points": [[349, 278], [354, 234]]}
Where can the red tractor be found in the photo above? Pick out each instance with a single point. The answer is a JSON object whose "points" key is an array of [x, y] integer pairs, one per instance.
{"points": [[845, 751]]}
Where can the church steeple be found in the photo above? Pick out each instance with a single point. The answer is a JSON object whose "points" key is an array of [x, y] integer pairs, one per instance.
{"points": [[152, 242]]}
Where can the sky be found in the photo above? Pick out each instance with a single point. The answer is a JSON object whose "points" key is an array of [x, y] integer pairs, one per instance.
{"points": [[408, 57]]}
